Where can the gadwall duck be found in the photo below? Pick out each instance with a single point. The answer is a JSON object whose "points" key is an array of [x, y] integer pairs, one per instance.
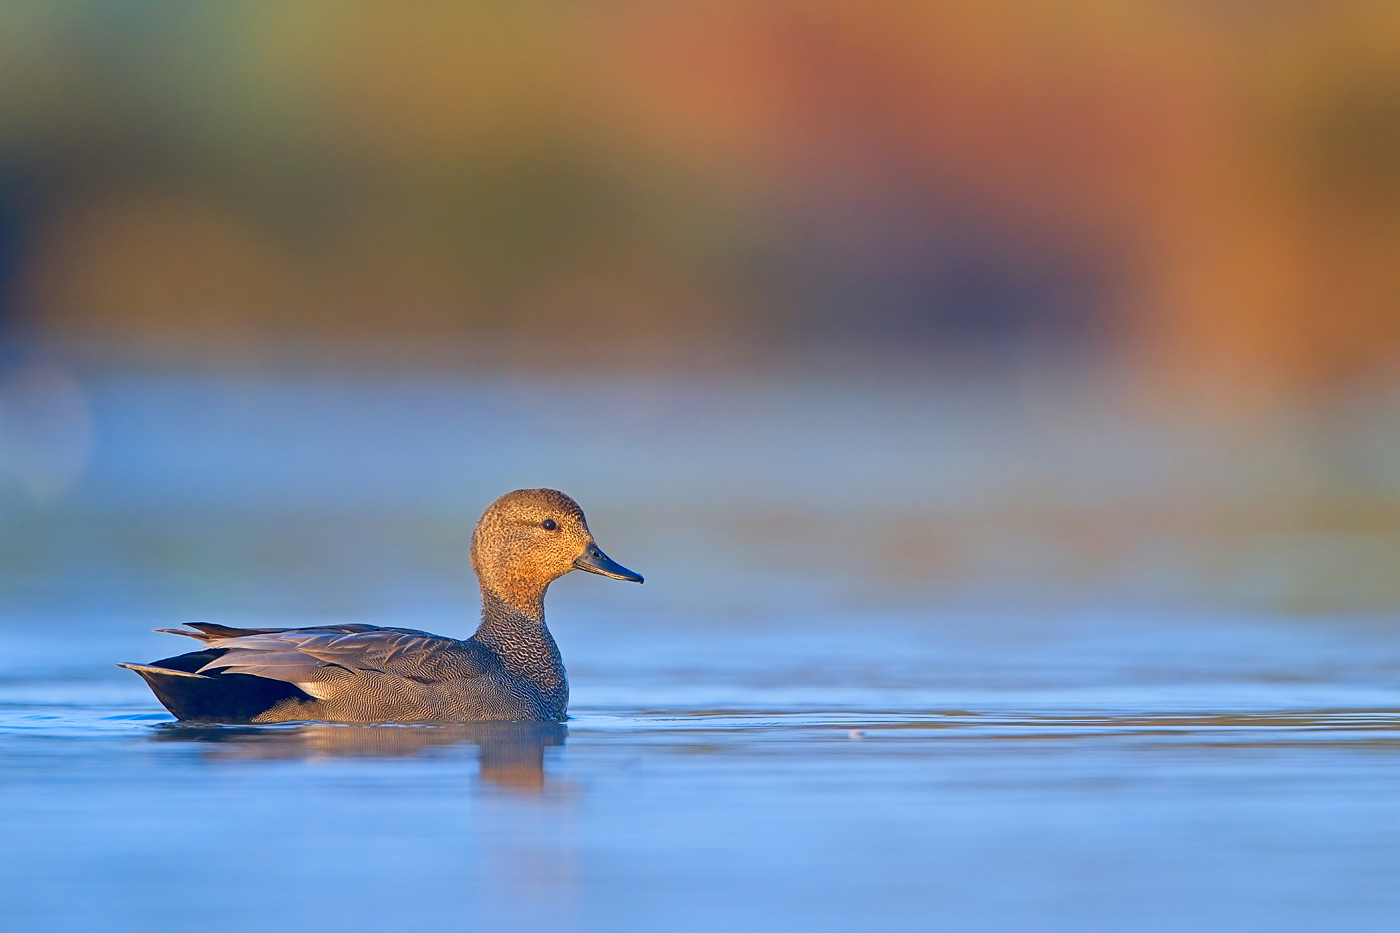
{"points": [[509, 670]]}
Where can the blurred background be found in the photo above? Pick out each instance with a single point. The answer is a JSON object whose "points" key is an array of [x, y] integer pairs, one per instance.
{"points": [[1001, 399], [912, 302]]}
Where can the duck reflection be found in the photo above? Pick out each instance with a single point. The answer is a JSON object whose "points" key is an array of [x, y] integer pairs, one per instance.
{"points": [[511, 753]]}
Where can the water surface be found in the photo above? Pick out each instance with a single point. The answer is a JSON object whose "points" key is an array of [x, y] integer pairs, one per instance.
{"points": [[824, 710]]}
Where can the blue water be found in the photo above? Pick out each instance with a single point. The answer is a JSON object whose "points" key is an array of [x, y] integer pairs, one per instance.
{"points": [[815, 715]]}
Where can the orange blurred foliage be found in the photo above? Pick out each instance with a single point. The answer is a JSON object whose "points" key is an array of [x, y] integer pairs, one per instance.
{"points": [[656, 175]]}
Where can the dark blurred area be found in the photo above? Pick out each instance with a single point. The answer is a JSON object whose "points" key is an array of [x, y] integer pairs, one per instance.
{"points": [[1046, 292], [1211, 188]]}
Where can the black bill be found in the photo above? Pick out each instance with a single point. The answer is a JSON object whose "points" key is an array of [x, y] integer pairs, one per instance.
{"points": [[595, 561]]}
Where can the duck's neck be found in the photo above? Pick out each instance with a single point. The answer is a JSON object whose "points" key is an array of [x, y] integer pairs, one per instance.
{"points": [[516, 632]]}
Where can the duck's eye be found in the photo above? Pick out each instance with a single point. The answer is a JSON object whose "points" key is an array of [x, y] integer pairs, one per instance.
{"points": [[549, 524]]}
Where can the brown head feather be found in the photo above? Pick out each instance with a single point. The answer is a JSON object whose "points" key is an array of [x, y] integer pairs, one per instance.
{"points": [[516, 555]]}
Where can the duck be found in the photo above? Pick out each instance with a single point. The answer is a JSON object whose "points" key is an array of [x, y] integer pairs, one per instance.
{"points": [[509, 670]]}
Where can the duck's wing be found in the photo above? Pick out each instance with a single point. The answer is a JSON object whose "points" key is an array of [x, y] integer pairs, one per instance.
{"points": [[309, 656]]}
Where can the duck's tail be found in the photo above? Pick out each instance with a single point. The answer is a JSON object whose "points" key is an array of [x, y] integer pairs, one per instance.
{"points": [[212, 697]]}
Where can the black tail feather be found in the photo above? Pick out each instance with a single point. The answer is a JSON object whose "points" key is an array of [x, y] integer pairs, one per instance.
{"points": [[191, 661], [215, 696]]}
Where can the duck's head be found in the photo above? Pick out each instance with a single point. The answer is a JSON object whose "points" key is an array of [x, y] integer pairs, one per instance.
{"points": [[531, 537]]}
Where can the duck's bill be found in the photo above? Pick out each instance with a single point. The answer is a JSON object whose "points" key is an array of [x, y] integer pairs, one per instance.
{"points": [[595, 561]]}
